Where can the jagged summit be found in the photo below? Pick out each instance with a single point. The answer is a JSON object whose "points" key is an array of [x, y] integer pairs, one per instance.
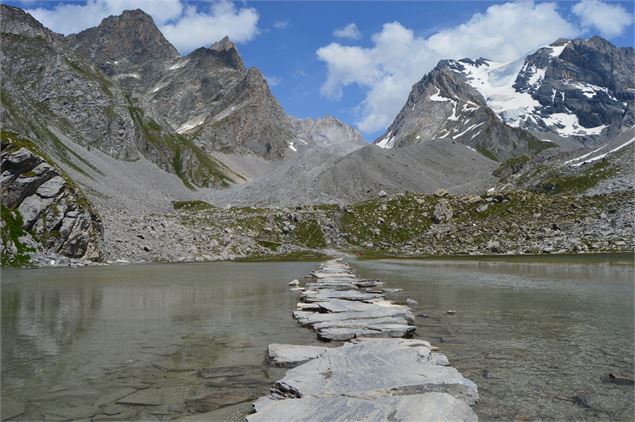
{"points": [[570, 93], [223, 45], [129, 47]]}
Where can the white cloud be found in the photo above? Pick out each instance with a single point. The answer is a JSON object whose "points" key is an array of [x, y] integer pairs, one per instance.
{"points": [[67, 18], [349, 31], [184, 26], [195, 29], [609, 19], [281, 24], [273, 80], [398, 58]]}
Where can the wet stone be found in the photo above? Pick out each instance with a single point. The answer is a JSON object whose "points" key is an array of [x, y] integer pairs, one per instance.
{"points": [[11, 408]]}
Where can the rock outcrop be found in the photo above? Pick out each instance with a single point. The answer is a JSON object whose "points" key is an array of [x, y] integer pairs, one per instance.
{"points": [[43, 212]]}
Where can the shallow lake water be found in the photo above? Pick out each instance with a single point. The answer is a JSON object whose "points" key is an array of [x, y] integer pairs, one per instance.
{"points": [[539, 338]]}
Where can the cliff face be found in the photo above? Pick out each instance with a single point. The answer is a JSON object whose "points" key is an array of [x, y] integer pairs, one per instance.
{"points": [[42, 209]]}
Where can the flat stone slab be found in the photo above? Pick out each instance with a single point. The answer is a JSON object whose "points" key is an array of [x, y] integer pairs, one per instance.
{"points": [[322, 295], [311, 318], [428, 407], [292, 355], [370, 368], [377, 330], [11, 408]]}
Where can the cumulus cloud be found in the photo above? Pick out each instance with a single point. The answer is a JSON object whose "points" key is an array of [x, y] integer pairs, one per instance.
{"points": [[349, 31], [70, 18], [398, 58], [610, 19], [195, 28], [184, 26]]}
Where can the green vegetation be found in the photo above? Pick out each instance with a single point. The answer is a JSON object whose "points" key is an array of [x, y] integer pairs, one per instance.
{"points": [[511, 166], [487, 153], [43, 134], [11, 232], [309, 233], [191, 164], [91, 74], [268, 244], [534, 146], [394, 221], [295, 256], [191, 205], [560, 183]]}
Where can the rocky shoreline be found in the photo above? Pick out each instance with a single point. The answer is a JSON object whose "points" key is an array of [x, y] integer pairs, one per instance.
{"points": [[377, 374]]}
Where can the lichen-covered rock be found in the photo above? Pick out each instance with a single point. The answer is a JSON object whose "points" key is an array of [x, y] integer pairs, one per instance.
{"points": [[42, 210]]}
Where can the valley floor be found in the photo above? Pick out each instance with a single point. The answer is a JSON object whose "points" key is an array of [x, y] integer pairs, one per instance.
{"points": [[402, 225]]}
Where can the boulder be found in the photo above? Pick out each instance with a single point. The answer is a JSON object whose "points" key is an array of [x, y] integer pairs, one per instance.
{"points": [[442, 212]]}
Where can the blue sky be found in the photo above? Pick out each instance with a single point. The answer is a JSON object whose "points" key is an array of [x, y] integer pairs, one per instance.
{"points": [[363, 73]]}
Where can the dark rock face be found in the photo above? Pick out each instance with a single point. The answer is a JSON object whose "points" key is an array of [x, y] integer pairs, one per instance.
{"points": [[591, 79], [53, 213], [129, 48], [572, 93]]}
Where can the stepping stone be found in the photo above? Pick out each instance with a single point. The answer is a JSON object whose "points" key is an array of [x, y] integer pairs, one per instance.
{"points": [[368, 368], [291, 355], [428, 407]]}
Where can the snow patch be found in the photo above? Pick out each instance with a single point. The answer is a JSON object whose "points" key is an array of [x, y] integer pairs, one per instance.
{"points": [[495, 82], [474, 126], [191, 124], [601, 156], [590, 90], [291, 146], [566, 125], [388, 142], [437, 97], [178, 64], [303, 141], [557, 51]]}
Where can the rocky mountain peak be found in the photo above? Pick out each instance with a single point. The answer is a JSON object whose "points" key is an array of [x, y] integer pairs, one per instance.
{"points": [[228, 52], [18, 22], [132, 35], [128, 47], [223, 45]]}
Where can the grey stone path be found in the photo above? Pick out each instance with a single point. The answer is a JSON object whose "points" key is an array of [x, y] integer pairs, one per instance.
{"points": [[378, 374]]}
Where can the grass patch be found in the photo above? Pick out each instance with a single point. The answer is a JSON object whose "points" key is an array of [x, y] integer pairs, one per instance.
{"points": [[309, 233], [487, 153], [395, 221], [191, 205], [11, 232], [295, 256], [590, 177], [191, 164]]}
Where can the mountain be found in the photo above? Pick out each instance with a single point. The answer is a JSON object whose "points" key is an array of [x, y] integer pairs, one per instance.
{"points": [[570, 93], [105, 132], [128, 48], [208, 96], [56, 98]]}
